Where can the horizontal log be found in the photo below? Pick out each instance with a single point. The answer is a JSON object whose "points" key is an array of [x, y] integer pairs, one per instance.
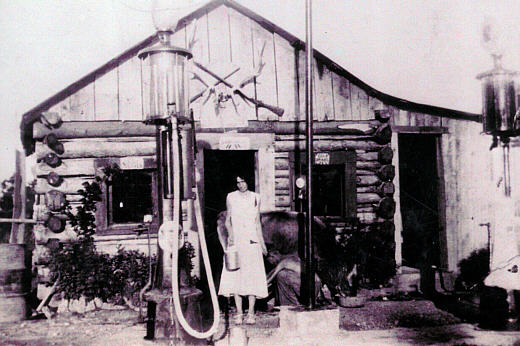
{"points": [[77, 167], [365, 209], [367, 180], [281, 183], [297, 137], [369, 165], [370, 156], [364, 172], [367, 189], [364, 198], [282, 174], [367, 218], [328, 145], [68, 186], [281, 155], [279, 191], [281, 164], [421, 129], [88, 149], [73, 167], [282, 201], [93, 129]]}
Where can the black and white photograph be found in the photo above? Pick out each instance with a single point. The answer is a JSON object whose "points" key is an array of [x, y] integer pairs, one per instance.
{"points": [[245, 172]]}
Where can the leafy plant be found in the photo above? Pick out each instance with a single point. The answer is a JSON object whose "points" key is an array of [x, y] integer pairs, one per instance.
{"points": [[84, 271], [473, 270]]}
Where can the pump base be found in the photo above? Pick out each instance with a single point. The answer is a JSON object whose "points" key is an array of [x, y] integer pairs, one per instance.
{"points": [[161, 311]]}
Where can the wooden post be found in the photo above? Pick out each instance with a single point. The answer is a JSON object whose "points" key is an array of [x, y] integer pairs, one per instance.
{"points": [[19, 200]]}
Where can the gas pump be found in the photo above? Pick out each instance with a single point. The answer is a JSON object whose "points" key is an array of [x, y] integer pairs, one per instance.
{"points": [[168, 110]]}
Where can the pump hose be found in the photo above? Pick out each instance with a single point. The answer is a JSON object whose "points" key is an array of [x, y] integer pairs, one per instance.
{"points": [[175, 257]]}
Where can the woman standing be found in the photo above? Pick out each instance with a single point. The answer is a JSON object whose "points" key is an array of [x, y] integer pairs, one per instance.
{"points": [[245, 232]]}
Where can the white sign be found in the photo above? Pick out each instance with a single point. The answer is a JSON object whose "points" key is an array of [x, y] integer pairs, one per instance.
{"points": [[322, 158], [234, 143], [131, 163]]}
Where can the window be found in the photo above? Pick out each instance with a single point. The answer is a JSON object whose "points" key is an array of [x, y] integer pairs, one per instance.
{"points": [[334, 186], [130, 197], [127, 196], [328, 190]]}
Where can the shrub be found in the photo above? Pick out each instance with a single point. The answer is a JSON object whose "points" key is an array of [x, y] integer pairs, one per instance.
{"points": [[473, 270], [83, 271]]}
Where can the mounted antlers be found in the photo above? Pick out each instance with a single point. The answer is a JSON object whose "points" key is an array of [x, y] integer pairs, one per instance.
{"points": [[193, 39], [258, 70]]}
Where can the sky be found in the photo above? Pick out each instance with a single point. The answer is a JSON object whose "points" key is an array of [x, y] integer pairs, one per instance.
{"points": [[423, 51]]}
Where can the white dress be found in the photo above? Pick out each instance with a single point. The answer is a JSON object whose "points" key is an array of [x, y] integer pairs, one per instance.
{"points": [[250, 279]]}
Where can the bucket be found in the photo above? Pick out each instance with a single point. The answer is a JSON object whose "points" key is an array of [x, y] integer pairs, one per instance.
{"points": [[15, 282], [231, 259]]}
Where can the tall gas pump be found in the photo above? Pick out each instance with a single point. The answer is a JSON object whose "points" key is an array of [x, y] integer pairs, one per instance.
{"points": [[167, 89]]}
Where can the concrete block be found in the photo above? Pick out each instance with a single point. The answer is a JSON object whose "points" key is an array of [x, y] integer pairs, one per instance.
{"points": [[296, 321], [237, 337], [408, 280]]}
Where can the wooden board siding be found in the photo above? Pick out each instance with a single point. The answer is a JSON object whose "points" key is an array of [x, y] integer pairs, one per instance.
{"points": [[62, 108], [225, 38], [82, 104], [219, 36], [242, 56], [130, 90], [265, 84], [467, 177], [323, 104], [286, 78], [341, 98], [106, 96], [359, 100]]}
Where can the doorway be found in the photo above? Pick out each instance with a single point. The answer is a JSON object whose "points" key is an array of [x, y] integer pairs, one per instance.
{"points": [[419, 197], [220, 170]]}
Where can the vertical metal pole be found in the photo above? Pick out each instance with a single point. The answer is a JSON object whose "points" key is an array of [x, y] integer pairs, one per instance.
{"points": [[309, 263], [507, 168]]}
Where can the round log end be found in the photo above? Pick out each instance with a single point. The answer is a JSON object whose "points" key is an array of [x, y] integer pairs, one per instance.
{"points": [[383, 115], [385, 155], [386, 189], [383, 134], [386, 173], [386, 208]]}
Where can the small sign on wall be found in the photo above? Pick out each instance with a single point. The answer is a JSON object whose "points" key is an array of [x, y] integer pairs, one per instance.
{"points": [[131, 163], [322, 158], [234, 143]]}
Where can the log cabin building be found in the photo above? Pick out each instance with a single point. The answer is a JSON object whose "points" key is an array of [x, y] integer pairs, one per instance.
{"points": [[397, 167]]}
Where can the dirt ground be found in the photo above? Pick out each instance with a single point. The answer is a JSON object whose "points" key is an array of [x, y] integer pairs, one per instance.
{"points": [[94, 327]]}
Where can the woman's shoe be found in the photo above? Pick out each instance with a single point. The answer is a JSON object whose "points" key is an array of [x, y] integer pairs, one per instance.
{"points": [[237, 319], [250, 319]]}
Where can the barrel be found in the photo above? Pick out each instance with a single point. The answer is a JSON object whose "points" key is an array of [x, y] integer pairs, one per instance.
{"points": [[15, 282]]}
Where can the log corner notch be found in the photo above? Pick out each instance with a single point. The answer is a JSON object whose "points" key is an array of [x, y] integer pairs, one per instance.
{"points": [[382, 115]]}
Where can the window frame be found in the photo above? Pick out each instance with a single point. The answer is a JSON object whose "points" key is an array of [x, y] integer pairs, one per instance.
{"points": [[348, 159], [103, 211]]}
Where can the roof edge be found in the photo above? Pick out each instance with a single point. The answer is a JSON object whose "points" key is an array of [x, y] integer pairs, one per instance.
{"points": [[29, 117]]}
